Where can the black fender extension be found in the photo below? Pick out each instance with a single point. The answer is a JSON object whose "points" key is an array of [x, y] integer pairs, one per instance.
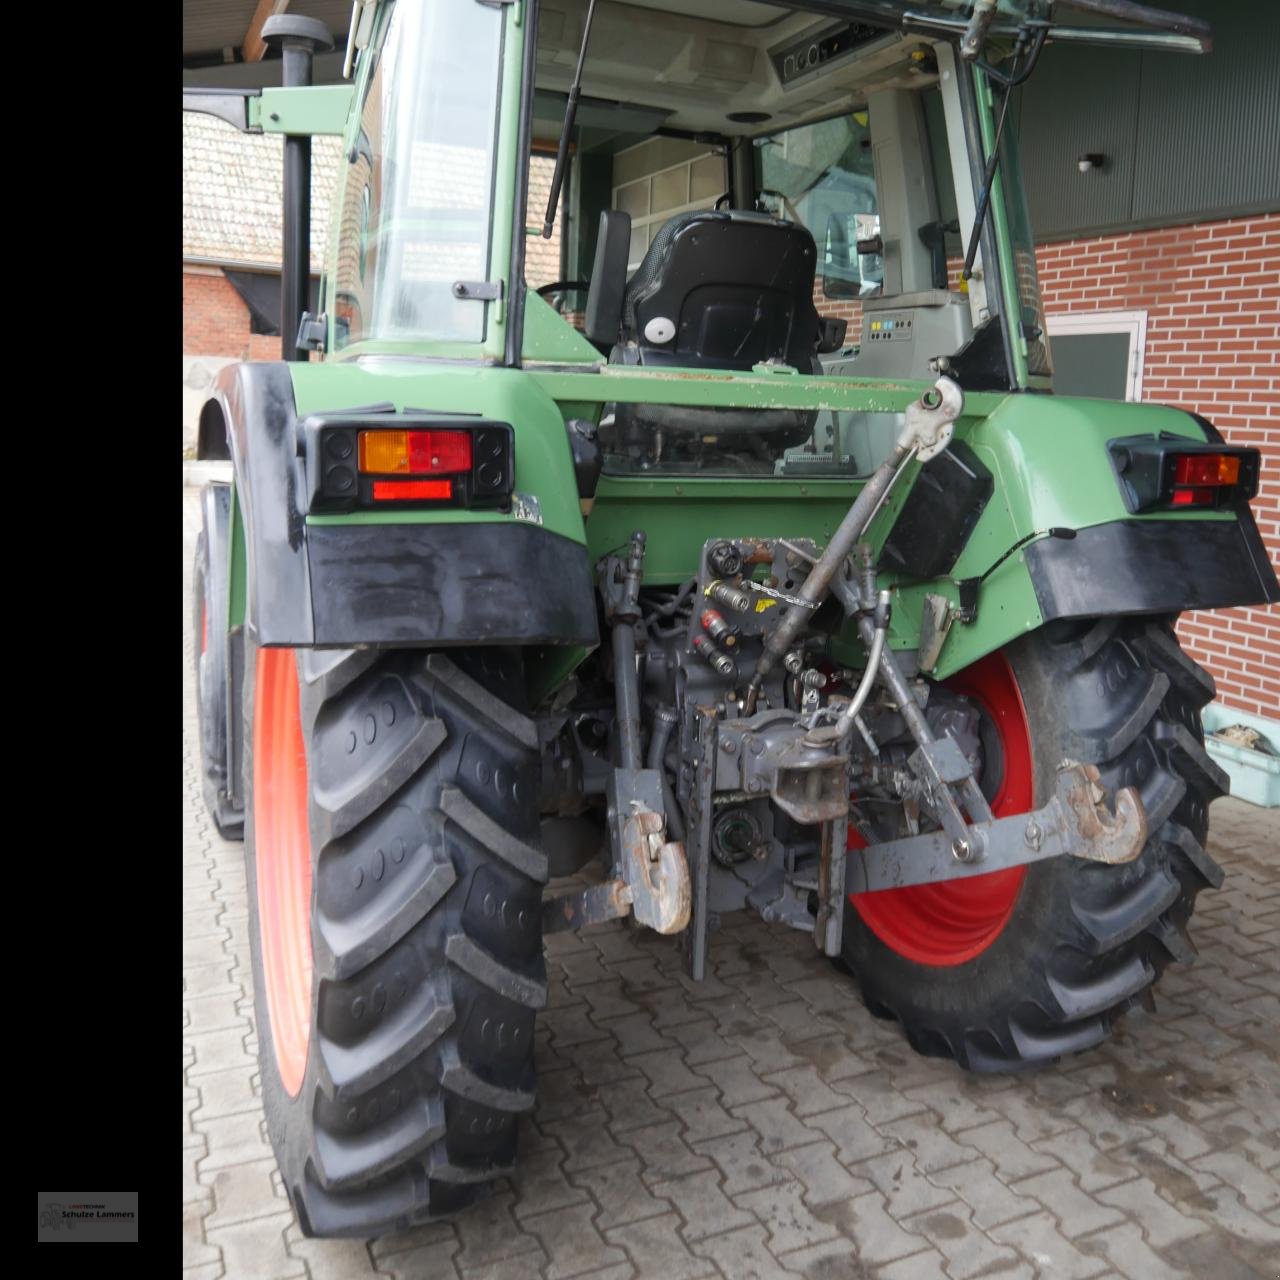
{"points": [[503, 582]]}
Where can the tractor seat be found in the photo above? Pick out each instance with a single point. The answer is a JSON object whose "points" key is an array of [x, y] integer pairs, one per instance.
{"points": [[715, 290], [724, 290]]}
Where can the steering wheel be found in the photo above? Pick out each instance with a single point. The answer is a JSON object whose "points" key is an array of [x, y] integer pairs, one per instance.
{"points": [[561, 288]]}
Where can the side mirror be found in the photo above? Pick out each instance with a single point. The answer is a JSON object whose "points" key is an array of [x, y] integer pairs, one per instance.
{"points": [[840, 278], [851, 265]]}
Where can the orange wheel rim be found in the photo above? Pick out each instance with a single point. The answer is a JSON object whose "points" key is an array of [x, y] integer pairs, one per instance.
{"points": [[951, 922], [282, 854]]}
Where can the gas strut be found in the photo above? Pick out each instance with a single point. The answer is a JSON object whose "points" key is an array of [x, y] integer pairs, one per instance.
{"points": [[570, 111]]}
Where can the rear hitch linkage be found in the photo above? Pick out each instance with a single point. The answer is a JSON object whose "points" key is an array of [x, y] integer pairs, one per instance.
{"points": [[804, 752]]}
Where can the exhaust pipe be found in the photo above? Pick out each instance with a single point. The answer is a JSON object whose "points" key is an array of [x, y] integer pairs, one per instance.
{"points": [[300, 39]]}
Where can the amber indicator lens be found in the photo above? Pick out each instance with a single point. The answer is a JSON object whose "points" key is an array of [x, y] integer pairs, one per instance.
{"points": [[1204, 469], [415, 453]]}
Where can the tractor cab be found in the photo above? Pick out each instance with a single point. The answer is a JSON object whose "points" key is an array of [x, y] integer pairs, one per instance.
{"points": [[763, 187]]}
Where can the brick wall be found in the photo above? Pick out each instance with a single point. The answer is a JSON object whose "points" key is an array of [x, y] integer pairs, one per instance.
{"points": [[215, 321], [1212, 297]]}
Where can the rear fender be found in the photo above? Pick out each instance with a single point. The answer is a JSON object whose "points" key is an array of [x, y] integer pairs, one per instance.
{"points": [[1051, 471], [404, 578]]}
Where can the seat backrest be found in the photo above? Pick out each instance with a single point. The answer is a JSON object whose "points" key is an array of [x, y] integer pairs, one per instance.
{"points": [[608, 278], [723, 290]]}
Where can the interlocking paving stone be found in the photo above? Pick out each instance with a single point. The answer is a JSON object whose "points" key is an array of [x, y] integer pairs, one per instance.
{"points": [[904, 1183], [196, 1250], [1125, 1248], [1077, 1212], [618, 1190], [703, 1114], [663, 1152], [586, 1140], [790, 1224], [434, 1260], [930, 1265], [1039, 1239], [540, 1183], [233, 1140], [855, 1138], [246, 1193], [527, 1267], [809, 1093], [743, 1166], [339, 1259], [923, 1135], [866, 1220], [489, 1232], [742, 1254], [700, 1200], [656, 1249], [822, 1177], [572, 1242], [629, 1106], [877, 1096], [736, 1080], [1092, 1169], [968, 1250], [777, 1126], [666, 1072], [1259, 1190], [990, 1199], [1011, 1156], [256, 1248], [210, 1271], [764, 1124]]}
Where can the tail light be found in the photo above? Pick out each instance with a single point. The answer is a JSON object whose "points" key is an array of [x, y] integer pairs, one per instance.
{"points": [[406, 460], [1172, 473]]}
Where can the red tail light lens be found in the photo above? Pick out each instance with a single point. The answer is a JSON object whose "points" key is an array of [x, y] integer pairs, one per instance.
{"points": [[415, 452], [1161, 471], [380, 458], [1204, 469], [411, 490]]}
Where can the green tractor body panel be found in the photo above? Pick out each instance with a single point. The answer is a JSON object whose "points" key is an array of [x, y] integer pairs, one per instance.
{"points": [[544, 466], [1047, 457]]}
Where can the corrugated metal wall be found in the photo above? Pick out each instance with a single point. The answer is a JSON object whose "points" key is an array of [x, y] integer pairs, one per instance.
{"points": [[1186, 139]]}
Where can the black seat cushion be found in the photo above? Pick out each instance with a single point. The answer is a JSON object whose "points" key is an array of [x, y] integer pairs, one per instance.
{"points": [[723, 290]]}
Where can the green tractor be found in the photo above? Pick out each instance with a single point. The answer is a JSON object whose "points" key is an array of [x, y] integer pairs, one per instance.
{"points": [[749, 564]]}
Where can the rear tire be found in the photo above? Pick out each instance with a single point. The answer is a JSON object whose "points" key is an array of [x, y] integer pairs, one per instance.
{"points": [[1082, 942], [407, 1056], [209, 630]]}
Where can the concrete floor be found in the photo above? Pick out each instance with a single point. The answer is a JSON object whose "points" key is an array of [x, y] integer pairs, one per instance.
{"points": [[763, 1124]]}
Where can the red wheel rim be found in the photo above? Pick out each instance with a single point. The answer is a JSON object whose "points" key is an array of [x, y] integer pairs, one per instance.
{"points": [[951, 923], [282, 852]]}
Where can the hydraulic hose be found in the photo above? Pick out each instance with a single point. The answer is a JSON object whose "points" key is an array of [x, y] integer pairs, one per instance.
{"points": [[664, 721], [844, 725], [814, 588]]}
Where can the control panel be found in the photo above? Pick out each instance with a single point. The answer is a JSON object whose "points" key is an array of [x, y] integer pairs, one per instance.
{"points": [[827, 45], [888, 326]]}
